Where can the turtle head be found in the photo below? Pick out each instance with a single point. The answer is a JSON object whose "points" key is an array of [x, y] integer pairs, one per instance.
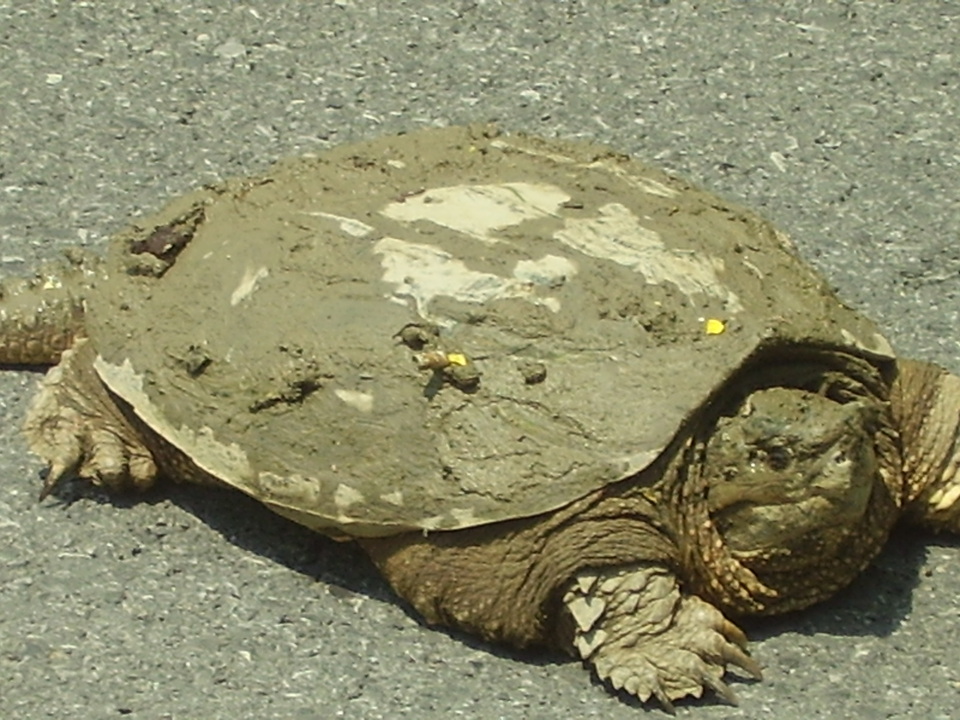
{"points": [[791, 484]]}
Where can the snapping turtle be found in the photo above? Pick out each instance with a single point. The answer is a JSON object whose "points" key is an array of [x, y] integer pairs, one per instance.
{"points": [[559, 398]]}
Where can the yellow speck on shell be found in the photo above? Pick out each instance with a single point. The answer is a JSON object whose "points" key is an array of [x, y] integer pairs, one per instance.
{"points": [[713, 326], [456, 358]]}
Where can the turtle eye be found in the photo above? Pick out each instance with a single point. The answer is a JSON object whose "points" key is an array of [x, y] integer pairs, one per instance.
{"points": [[779, 458]]}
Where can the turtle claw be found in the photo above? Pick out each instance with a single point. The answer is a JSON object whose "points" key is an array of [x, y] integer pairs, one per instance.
{"points": [[643, 636], [720, 689], [55, 473], [62, 462], [737, 657], [660, 694], [75, 426]]}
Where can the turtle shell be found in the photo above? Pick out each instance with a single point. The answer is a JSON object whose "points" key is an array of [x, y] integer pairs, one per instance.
{"points": [[446, 328]]}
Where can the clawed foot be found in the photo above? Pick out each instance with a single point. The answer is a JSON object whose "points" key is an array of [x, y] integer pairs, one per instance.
{"points": [[643, 636], [75, 426]]}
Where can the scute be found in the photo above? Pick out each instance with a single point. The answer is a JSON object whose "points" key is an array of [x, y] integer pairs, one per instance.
{"points": [[271, 345]]}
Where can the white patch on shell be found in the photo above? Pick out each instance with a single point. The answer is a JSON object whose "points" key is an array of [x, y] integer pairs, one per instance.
{"points": [[647, 185], [351, 226], [550, 270], [617, 235], [479, 210], [394, 498], [423, 272], [247, 284], [345, 496], [434, 522], [290, 490], [354, 398], [465, 517], [627, 465]]}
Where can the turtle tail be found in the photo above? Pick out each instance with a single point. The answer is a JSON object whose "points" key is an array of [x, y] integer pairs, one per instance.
{"points": [[41, 316]]}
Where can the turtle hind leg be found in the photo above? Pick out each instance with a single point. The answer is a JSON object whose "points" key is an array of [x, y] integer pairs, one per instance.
{"points": [[76, 427], [41, 316], [642, 635], [926, 402]]}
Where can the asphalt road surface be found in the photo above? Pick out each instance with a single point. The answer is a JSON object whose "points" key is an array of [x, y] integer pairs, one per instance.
{"points": [[839, 121]]}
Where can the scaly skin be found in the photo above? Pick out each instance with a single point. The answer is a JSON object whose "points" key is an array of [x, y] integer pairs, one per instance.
{"points": [[926, 405], [41, 316], [645, 636], [626, 578]]}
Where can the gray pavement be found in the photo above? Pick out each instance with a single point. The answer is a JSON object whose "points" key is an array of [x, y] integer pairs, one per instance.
{"points": [[839, 121]]}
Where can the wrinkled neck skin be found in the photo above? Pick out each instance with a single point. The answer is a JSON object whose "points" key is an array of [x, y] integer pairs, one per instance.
{"points": [[40, 316], [504, 581], [926, 407]]}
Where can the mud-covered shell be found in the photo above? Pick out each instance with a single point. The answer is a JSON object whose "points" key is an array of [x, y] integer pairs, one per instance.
{"points": [[446, 328]]}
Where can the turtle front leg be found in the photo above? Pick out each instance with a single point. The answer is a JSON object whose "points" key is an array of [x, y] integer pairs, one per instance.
{"points": [[76, 427], [640, 633], [926, 404], [592, 579]]}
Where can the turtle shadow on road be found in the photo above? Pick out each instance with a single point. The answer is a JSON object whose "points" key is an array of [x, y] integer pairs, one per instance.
{"points": [[248, 524], [874, 604], [342, 566]]}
